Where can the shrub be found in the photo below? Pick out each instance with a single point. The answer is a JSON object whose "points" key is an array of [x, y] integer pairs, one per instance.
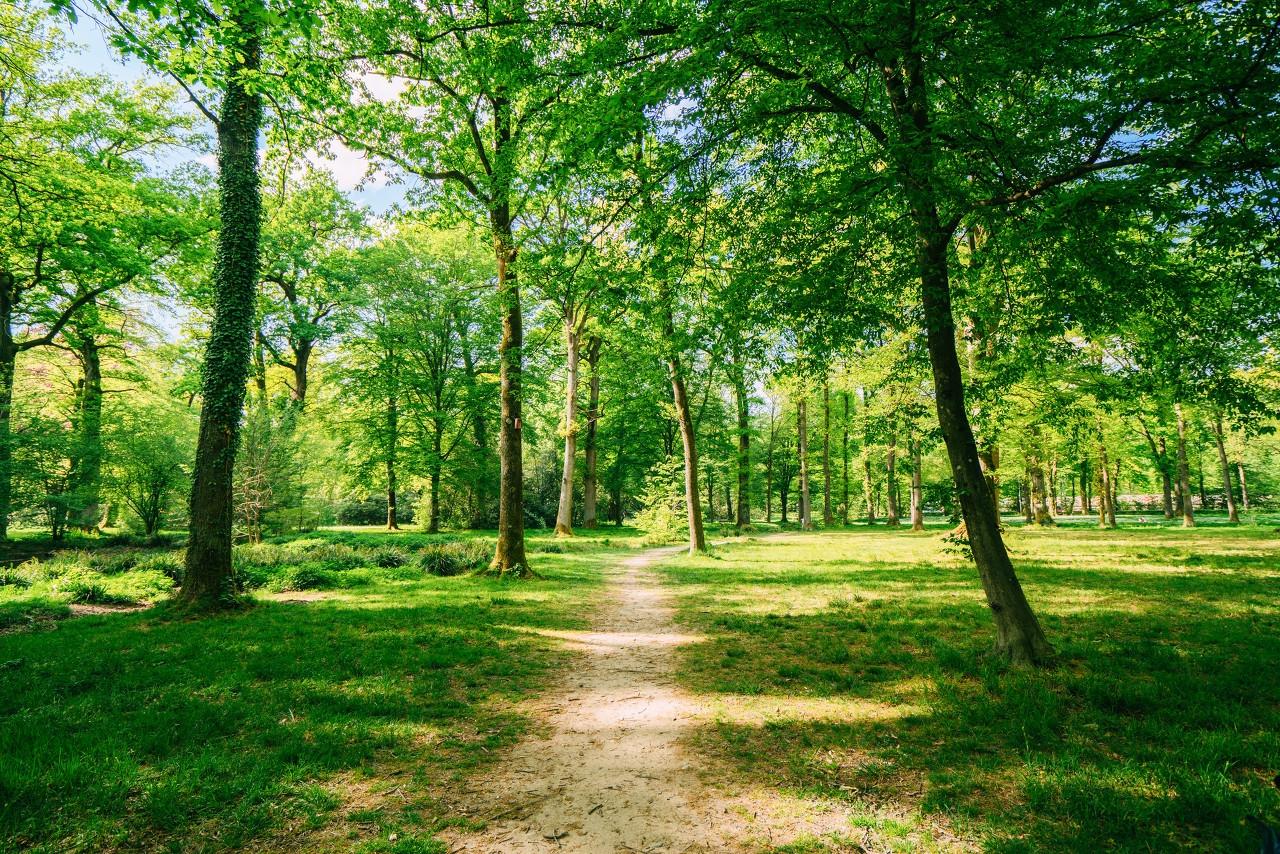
{"points": [[454, 558], [304, 576], [388, 557], [169, 564]]}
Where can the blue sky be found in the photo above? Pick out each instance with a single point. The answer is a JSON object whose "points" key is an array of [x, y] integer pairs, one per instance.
{"points": [[90, 53]]}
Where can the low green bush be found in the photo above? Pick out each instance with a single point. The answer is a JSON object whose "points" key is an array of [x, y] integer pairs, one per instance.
{"points": [[454, 558]]}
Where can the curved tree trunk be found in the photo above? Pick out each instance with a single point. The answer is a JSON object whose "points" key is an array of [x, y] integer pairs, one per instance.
{"points": [[208, 575]]}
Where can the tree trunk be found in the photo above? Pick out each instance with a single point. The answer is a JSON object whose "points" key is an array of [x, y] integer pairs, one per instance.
{"points": [[1244, 489], [802, 427], [589, 452], [1166, 480], [697, 539], [742, 400], [8, 366], [564, 514], [302, 351], [917, 488], [844, 457], [827, 518], [891, 474], [1019, 636], [1233, 515], [1039, 492], [867, 486], [711, 493], [87, 470], [989, 459], [768, 466], [437, 443], [1106, 513], [208, 578], [509, 556], [1184, 473]]}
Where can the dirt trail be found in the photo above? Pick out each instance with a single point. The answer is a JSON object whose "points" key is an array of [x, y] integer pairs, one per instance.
{"points": [[611, 775]]}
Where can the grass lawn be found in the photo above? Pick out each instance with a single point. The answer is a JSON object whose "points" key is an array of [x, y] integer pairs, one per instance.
{"points": [[852, 665], [330, 722]]}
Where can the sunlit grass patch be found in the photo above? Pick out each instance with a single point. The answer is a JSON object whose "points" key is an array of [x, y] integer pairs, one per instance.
{"points": [[1156, 729], [333, 721]]}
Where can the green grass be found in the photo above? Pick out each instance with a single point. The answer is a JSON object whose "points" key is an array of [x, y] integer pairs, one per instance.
{"points": [[332, 722], [853, 665]]}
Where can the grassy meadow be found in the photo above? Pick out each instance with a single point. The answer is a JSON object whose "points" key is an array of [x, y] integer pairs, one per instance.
{"points": [[852, 666], [372, 673], [332, 714]]}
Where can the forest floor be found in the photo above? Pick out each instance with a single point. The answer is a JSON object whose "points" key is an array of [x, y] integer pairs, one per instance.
{"points": [[826, 691]]}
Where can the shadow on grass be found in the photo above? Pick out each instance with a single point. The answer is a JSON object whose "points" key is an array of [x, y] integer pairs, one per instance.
{"points": [[1159, 728], [139, 731]]}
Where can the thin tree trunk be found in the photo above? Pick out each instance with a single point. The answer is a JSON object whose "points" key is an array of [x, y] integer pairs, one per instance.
{"points": [[917, 488], [711, 493], [1244, 489], [1106, 513], [1166, 480], [208, 578], [864, 398], [393, 445], [1184, 473], [802, 427], [742, 401], [768, 465], [697, 538], [1233, 515], [564, 514], [589, 451], [827, 518], [844, 457], [891, 473], [437, 443]]}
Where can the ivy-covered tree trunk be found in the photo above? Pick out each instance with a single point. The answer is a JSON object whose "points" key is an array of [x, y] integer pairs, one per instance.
{"points": [[802, 427], [8, 366], [589, 449], [87, 471], [564, 512], [1233, 514], [208, 576], [509, 556], [1184, 471]]}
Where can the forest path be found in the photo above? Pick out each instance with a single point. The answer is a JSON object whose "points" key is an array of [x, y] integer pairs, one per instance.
{"points": [[610, 774]]}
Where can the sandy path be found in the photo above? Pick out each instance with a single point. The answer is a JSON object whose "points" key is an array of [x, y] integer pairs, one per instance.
{"points": [[611, 775]]}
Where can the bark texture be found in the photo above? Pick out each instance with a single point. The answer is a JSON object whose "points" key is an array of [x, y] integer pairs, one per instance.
{"points": [[208, 575]]}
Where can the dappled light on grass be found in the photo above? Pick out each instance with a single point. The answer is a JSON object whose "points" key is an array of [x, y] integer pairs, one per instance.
{"points": [[1154, 728], [260, 726]]}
